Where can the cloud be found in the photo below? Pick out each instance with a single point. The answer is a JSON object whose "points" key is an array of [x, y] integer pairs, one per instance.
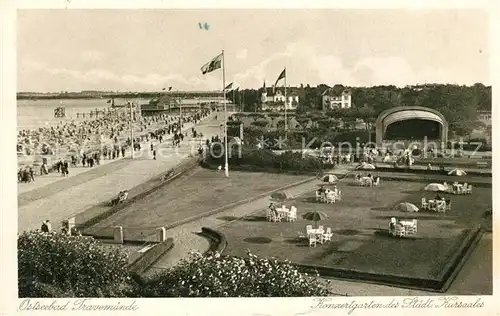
{"points": [[305, 64], [96, 78]]}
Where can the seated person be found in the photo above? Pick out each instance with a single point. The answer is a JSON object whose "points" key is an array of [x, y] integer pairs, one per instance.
{"points": [[273, 209], [321, 190]]}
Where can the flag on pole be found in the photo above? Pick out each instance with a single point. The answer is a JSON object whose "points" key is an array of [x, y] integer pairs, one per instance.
{"points": [[237, 89], [282, 75], [229, 86], [163, 89], [212, 65], [169, 88]]}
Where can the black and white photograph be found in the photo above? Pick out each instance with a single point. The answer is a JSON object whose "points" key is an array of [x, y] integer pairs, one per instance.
{"points": [[331, 154]]}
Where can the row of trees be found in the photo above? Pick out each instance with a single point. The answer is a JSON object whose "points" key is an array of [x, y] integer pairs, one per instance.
{"points": [[58, 265], [458, 104]]}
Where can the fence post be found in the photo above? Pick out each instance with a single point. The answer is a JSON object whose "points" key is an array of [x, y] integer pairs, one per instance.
{"points": [[118, 234], [162, 234]]}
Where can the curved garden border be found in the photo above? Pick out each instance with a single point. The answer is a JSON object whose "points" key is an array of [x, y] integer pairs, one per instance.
{"points": [[440, 284]]}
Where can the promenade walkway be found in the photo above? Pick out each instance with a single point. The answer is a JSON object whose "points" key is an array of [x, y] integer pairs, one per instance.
{"points": [[62, 198]]}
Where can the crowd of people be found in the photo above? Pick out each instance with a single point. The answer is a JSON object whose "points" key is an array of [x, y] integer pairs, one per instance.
{"points": [[87, 142]]}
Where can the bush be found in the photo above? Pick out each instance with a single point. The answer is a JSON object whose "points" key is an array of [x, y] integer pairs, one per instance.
{"points": [[260, 123], [213, 275], [58, 265]]}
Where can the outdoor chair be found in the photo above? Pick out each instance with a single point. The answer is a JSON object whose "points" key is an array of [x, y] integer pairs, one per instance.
{"points": [[469, 189], [399, 231], [312, 240], [269, 215], [330, 198], [448, 205], [327, 236], [318, 196], [321, 228], [415, 224], [339, 195], [309, 228], [424, 204], [441, 207]]}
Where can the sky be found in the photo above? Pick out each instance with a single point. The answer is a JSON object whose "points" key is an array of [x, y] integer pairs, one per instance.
{"points": [[147, 50]]}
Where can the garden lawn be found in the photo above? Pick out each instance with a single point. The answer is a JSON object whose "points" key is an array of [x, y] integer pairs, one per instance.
{"points": [[360, 223], [191, 195]]}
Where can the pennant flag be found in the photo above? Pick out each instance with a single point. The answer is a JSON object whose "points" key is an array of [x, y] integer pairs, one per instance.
{"points": [[169, 88], [282, 75], [229, 86], [109, 101], [237, 89], [212, 65]]}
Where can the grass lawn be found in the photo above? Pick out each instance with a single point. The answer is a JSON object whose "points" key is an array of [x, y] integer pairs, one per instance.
{"points": [[191, 195], [360, 223]]}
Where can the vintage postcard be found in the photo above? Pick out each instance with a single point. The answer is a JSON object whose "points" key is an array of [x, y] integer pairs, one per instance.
{"points": [[339, 155]]}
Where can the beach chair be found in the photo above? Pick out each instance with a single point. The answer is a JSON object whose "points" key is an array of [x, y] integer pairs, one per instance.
{"points": [[327, 236], [424, 204], [469, 189], [339, 195]]}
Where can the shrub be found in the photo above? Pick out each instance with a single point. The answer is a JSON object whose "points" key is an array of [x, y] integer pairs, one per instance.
{"points": [[58, 265], [260, 123], [214, 275]]}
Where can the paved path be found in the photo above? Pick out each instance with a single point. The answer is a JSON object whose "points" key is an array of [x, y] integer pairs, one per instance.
{"points": [[186, 236], [59, 200]]}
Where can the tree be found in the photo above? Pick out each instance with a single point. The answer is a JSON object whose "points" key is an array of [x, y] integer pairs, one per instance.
{"points": [[213, 275], [58, 265]]}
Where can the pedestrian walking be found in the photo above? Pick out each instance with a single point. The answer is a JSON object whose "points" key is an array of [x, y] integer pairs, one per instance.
{"points": [[32, 173]]}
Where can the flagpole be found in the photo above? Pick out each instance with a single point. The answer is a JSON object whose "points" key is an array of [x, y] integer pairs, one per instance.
{"points": [[131, 133], [226, 169], [286, 124]]}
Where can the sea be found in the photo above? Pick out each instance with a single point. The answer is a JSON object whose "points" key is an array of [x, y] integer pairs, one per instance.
{"points": [[32, 114]]}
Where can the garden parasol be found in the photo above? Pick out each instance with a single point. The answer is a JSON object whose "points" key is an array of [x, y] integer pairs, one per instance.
{"points": [[330, 178], [457, 172], [436, 187], [406, 207], [315, 216], [366, 166]]}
